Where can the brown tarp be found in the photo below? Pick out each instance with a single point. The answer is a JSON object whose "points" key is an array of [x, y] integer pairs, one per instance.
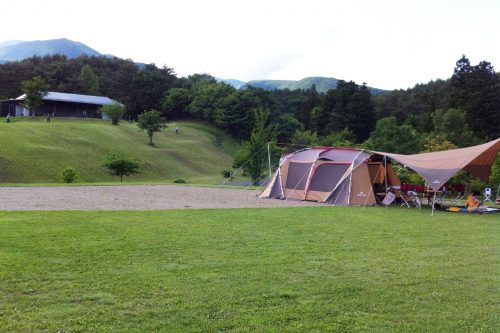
{"points": [[438, 167]]}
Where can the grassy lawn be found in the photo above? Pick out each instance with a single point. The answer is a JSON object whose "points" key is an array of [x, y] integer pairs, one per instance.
{"points": [[33, 151], [325, 269]]}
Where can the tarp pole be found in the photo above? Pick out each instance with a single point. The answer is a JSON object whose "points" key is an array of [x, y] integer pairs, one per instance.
{"points": [[433, 201], [385, 176]]}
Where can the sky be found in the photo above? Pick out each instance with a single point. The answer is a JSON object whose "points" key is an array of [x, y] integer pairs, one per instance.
{"points": [[388, 44]]}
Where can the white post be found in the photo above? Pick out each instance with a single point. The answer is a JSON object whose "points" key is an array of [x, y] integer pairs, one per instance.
{"points": [[269, 159]]}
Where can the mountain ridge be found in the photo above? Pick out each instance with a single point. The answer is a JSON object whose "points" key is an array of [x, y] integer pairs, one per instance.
{"points": [[16, 50], [321, 83], [19, 50]]}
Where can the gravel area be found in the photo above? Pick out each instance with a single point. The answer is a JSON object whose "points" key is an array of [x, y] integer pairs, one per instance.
{"points": [[135, 197]]}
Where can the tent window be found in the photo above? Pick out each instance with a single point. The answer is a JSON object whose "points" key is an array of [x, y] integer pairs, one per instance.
{"points": [[297, 175], [327, 176]]}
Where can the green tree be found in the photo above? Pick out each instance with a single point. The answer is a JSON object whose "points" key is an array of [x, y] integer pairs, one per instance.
{"points": [[287, 126], [148, 87], [236, 112], [304, 113], [89, 80], [253, 152], [438, 143], [390, 137], [305, 138], [451, 125], [344, 138], [175, 102], [35, 90], [348, 106], [120, 166], [114, 111], [319, 119], [476, 90], [151, 122]]}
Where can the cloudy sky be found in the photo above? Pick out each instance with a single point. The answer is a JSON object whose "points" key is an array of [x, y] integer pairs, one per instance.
{"points": [[388, 44]]}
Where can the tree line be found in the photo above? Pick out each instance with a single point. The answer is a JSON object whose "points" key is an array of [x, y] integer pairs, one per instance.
{"points": [[462, 111], [443, 114]]}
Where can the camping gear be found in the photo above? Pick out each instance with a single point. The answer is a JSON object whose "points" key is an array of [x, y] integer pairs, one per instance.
{"points": [[339, 176], [411, 197], [462, 209], [439, 167], [487, 194], [389, 198]]}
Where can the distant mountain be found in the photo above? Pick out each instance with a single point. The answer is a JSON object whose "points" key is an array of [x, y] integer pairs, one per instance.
{"points": [[323, 84], [235, 83], [19, 50], [10, 42]]}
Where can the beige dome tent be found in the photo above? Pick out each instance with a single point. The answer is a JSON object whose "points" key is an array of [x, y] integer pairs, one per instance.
{"points": [[339, 176]]}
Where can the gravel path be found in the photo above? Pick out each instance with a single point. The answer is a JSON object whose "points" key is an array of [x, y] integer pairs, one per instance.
{"points": [[136, 197]]}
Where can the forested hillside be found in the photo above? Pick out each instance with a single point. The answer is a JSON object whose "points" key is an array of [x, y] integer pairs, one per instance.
{"points": [[461, 111]]}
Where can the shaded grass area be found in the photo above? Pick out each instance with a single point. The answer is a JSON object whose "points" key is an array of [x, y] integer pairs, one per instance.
{"points": [[245, 270], [33, 151]]}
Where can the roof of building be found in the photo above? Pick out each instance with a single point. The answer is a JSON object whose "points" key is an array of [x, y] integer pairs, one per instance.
{"points": [[74, 98]]}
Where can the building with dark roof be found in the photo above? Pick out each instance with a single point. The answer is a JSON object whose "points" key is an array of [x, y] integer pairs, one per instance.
{"points": [[59, 105]]}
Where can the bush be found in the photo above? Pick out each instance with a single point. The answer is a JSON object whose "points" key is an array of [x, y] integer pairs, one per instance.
{"points": [[114, 111], [228, 174], [180, 181], [69, 174], [121, 166]]}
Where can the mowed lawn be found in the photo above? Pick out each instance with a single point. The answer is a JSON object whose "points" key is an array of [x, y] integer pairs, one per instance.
{"points": [[324, 269]]}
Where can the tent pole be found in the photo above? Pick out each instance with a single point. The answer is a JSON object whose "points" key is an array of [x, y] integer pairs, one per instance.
{"points": [[433, 201], [385, 176], [269, 158]]}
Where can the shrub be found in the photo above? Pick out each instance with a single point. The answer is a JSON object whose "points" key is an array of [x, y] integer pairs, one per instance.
{"points": [[228, 174], [180, 181], [114, 111], [121, 166], [69, 174]]}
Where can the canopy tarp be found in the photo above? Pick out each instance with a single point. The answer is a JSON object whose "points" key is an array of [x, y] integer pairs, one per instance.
{"points": [[438, 167]]}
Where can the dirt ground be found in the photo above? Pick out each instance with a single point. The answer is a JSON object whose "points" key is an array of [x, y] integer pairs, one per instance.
{"points": [[136, 197]]}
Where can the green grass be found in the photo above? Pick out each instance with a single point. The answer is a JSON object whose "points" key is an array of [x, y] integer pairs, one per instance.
{"points": [[324, 269], [33, 151]]}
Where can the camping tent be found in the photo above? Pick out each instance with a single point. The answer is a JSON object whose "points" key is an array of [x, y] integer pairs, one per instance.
{"points": [[340, 176], [439, 167]]}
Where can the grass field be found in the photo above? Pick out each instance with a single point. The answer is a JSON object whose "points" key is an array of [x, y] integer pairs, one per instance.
{"points": [[325, 269], [33, 151]]}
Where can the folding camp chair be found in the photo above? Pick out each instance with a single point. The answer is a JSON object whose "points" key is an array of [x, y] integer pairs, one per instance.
{"points": [[412, 196], [487, 194], [458, 192]]}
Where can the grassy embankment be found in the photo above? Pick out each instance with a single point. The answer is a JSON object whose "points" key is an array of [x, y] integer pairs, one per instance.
{"points": [[33, 151], [325, 269]]}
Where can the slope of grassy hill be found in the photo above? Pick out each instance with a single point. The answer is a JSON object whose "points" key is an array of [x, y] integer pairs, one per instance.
{"points": [[33, 151]]}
